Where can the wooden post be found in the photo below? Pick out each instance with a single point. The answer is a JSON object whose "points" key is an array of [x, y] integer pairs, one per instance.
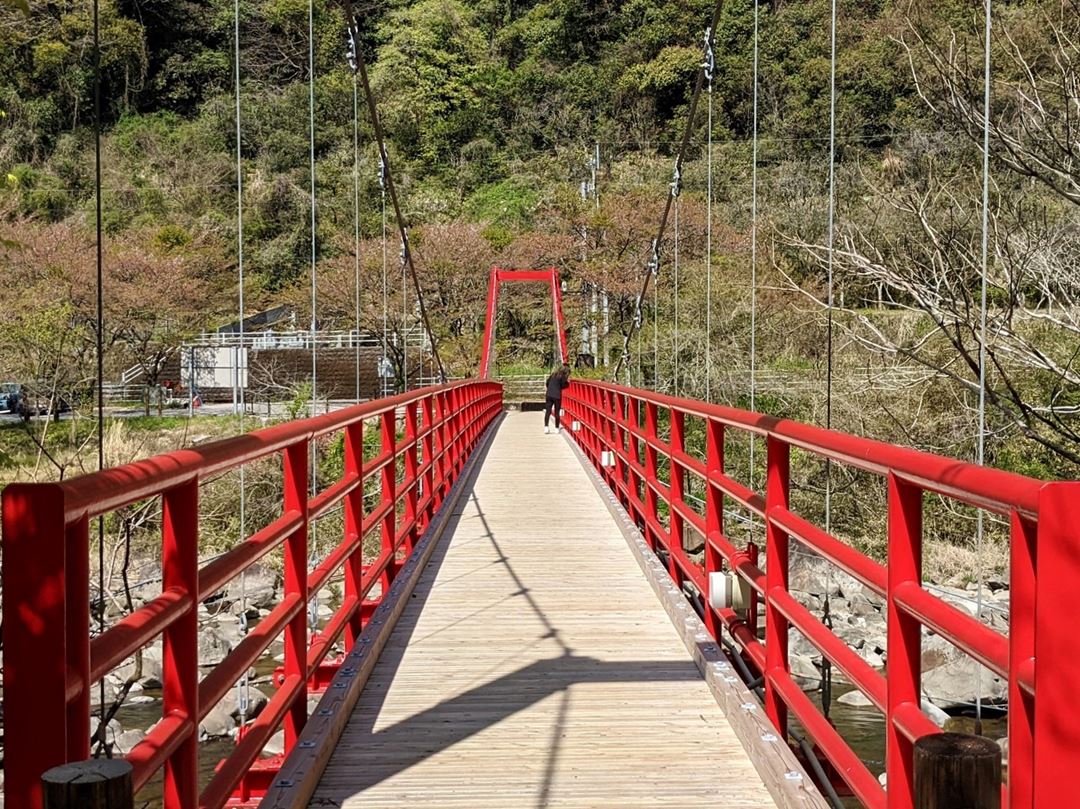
{"points": [[103, 783], [957, 771]]}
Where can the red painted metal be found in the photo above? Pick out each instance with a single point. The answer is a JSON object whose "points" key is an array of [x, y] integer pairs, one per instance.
{"points": [[1045, 574], [499, 277], [51, 664]]}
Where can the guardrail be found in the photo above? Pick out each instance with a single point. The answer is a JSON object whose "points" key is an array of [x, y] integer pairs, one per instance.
{"points": [[51, 663], [618, 429]]}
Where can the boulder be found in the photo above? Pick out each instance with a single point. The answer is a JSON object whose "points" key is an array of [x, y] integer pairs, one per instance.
{"points": [[95, 693], [229, 631], [877, 643], [935, 714], [151, 671], [113, 731], [259, 589], [218, 723], [936, 651], [963, 600], [852, 631], [804, 669], [856, 699], [813, 576], [275, 745], [256, 702], [213, 648], [875, 660], [127, 740], [799, 645], [861, 604], [953, 686]]}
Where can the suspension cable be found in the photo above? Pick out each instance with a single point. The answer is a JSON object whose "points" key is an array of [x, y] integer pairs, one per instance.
{"points": [[638, 315], [100, 349], [830, 251], [981, 441], [311, 151], [654, 261], [351, 58], [314, 368], [754, 245], [385, 286], [377, 126], [656, 328], [243, 692], [404, 320], [675, 271], [826, 664], [708, 66]]}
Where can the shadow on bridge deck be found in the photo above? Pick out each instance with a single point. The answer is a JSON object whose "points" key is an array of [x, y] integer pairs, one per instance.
{"points": [[533, 664]]}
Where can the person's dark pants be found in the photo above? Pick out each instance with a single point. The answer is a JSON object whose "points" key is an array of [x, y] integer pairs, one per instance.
{"points": [[549, 406]]}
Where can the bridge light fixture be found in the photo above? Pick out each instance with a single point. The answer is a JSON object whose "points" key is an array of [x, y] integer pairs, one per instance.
{"points": [[728, 590]]}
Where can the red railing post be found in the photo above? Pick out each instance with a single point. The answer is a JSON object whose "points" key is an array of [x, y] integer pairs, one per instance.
{"points": [[619, 447], [904, 659], [354, 526], [474, 428], [412, 477], [776, 578], [296, 500], [605, 440], [77, 565], [442, 439], [1057, 646], [388, 491], [1024, 537], [652, 514], [633, 416], [598, 428], [429, 455], [678, 484], [453, 439], [714, 512], [588, 419], [752, 610], [180, 646], [35, 659]]}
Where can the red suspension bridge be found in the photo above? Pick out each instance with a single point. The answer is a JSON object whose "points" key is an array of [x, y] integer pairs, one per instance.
{"points": [[521, 622], [502, 637]]}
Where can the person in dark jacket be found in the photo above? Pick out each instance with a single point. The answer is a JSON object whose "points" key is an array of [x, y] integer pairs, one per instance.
{"points": [[556, 383]]}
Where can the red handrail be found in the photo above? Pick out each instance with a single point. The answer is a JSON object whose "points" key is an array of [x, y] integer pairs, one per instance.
{"points": [[617, 429], [50, 662]]}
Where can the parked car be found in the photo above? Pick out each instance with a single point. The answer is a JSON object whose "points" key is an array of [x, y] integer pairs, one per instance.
{"points": [[16, 399], [11, 395]]}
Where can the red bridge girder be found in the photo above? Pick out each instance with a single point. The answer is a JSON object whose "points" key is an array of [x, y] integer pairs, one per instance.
{"points": [[51, 663], [501, 276], [619, 429]]}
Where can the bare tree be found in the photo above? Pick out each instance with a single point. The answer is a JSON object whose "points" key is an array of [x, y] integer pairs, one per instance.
{"points": [[1035, 117], [922, 243]]}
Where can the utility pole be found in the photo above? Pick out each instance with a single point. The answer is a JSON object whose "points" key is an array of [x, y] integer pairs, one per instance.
{"points": [[604, 292], [191, 381]]}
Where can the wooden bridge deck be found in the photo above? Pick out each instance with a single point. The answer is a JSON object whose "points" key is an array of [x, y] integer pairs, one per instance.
{"points": [[534, 665]]}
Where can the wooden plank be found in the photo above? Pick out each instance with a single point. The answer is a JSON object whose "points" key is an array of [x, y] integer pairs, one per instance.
{"points": [[780, 770], [301, 772], [532, 666]]}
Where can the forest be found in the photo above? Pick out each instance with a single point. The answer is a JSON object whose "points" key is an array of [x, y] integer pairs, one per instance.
{"points": [[493, 113]]}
